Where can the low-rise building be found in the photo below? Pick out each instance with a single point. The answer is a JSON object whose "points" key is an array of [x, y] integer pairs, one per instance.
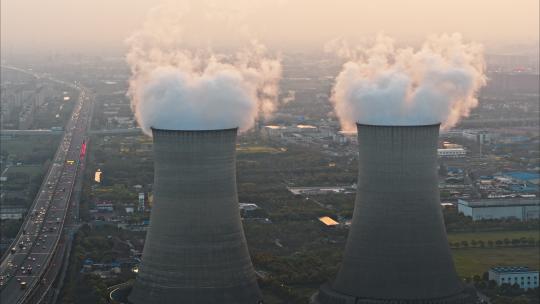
{"points": [[248, 206], [12, 212], [328, 221], [321, 190], [479, 136], [452, 152], [344, 137], [523, 276], [274, 130], [105, 206], [522, 209]]}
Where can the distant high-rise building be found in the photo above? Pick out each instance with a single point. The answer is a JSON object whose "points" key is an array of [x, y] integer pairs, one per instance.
{"points": [[141, 201], [195, 250], [397, 250]]}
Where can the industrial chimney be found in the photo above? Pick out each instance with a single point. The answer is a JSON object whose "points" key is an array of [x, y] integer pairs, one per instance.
{"points": [[195, 250], [397, 250]]}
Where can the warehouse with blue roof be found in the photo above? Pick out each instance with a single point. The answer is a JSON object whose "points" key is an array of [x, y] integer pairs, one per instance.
{"points": [[524, 177]]}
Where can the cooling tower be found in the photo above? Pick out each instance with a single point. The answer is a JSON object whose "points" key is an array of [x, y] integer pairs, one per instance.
{"points": [[397, 250], [195, 250]]}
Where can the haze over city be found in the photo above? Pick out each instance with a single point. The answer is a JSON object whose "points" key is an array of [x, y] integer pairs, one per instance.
{"points": [[100, 27], [285, 151]]}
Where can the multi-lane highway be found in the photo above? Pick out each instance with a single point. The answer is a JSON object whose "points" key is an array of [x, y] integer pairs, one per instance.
{"points": [[27, 266]]}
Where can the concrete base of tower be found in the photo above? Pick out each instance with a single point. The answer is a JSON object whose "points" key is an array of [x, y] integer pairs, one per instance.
{"points": [[237, 295], [326, 295], [119, 295]]}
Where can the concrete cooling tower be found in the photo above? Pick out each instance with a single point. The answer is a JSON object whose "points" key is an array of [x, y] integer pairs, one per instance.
{"points": [[195, 250], [397, 250]]}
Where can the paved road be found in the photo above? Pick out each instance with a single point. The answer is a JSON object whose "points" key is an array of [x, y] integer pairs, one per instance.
{"points": [[30, 132], [31, 253]]}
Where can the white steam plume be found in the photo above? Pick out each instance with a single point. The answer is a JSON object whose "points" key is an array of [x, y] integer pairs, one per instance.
{"points": [[385, 85], [173, 87]]}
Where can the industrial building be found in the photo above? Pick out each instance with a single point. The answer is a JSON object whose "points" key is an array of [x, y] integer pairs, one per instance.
{"points": [[195, 250], [479, 136], [523, 276], [522, 209], [397, 250], [524, 177], [452, 152], [321, 190]]}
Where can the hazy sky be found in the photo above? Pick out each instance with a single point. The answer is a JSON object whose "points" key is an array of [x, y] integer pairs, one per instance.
{"points": [[90, 26]]}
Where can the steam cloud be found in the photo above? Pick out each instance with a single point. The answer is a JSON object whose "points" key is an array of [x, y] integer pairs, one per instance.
{"points": [[385, 85], [172, 87]]}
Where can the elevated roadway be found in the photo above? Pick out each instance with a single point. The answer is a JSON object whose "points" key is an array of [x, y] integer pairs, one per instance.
{"points": [[24, 265]]}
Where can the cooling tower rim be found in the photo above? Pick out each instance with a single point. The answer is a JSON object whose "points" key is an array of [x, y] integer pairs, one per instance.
{"points": [[193, 131], [358, 124]]}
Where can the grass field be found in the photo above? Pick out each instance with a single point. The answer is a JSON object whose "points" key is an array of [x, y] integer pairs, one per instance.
{"points": [[257, 149], [473, 261], [22, 144], [31, 170], [493, 236]]}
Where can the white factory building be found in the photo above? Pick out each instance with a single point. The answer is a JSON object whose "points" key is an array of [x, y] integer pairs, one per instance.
{"points": [[452, 152], [523, 276], [522, 209]]}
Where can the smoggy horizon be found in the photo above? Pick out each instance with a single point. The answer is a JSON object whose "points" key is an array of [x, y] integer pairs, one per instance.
{"points": [[102, 27]]}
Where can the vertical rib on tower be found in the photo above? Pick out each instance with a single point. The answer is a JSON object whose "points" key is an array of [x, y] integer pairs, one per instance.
{"points": [[195, 250], [397, 250]]}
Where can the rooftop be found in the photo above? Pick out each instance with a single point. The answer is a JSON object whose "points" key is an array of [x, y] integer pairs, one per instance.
{"points": [[526, 176], [511, 269], [306, 127], [328, 221], [451, 149], [501, 202], [275, 127]]}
